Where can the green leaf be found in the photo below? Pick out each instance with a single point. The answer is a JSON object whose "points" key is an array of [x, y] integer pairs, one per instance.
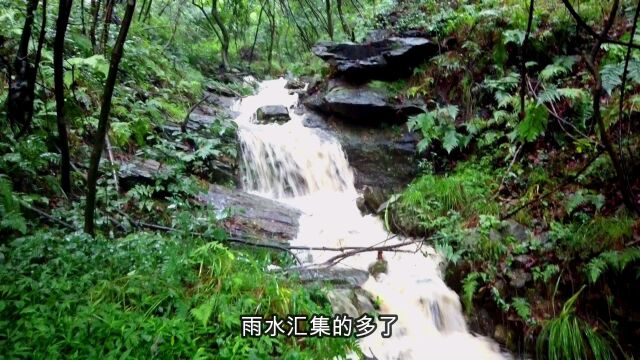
{"points": [[96, 62], [203, 312], [534, 123], [450, 141]]}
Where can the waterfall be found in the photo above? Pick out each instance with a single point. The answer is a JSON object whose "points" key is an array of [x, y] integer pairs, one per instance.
{"points": [[307, 168]]}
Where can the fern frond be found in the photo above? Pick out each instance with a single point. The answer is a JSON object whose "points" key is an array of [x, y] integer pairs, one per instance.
{"points": [[614, 260]]}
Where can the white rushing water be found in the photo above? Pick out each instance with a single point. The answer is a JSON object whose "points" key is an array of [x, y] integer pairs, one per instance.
{"points": [[307, 169]]}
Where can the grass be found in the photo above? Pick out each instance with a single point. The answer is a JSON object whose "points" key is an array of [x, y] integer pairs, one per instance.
{"points": [[467, 191], [569, 337]]}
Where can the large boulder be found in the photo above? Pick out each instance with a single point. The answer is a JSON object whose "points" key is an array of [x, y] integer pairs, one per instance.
{"points": [[272, 113], [385, 59], [140, 171], [253, 217], [362, 104]]}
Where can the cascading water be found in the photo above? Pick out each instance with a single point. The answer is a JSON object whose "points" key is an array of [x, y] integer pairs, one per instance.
{"points": [[306, 168]]}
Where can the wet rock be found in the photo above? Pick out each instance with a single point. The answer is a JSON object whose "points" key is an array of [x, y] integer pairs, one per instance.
{"points": [[294, 84], [253, 217], [220, 90], [342, 302], [353, 302], [382, 157], [140, 171], [518, 278], [384, 59], [337, 276], [523, 261], [504, 335], [361, 205], [363, 301], [213, 107], [515, 229], [272, 113], [362, 104], [373, 198], [481, 322]]}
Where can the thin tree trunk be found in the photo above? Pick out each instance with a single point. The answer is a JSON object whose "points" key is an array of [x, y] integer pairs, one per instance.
{"points": [[21, 86], [144, 3], [82, 25], [64, 9], [594, 66], [175, 28], [255, 36], [621, 113], [223, 30], [345, 27], [523, 67], [327, 4], [95, 11], [147, 12], [272, 24], [108, 12], [103, 124]]}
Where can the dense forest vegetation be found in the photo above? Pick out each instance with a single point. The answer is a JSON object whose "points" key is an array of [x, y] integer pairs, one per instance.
{"points": [[526, 171]]}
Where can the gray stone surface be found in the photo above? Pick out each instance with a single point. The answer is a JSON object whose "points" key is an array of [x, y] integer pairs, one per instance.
{"points": [[383, 59], [272, 113], [253, 217]]}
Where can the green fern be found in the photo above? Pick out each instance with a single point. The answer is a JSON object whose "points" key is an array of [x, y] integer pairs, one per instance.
{"points": [[561, 66], [469, 287], [611, 75], [552, 95], [523, 309], [438, 124], [534, 123], [611, 260]]}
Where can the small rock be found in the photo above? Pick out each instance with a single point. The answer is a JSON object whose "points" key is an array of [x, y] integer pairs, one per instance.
{"points": [[294, 84], [139, 171], [374, 197], [518, 278], [361, 205], [523, 261], [272, 113], [515, 229]]}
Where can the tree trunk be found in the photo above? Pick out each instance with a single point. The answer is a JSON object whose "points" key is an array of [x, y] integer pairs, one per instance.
{"points": [[22, 83], [345, 27], [64, 9], [225, 33], [108, 12], [272, 25], [523, 67], [329, 18], [255, 37], [82, 25], [147, 12], [594, 66], [103, 124], [95, 11]]}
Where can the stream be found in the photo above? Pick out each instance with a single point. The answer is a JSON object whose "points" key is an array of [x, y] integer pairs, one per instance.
{"points": [[306, 168]]}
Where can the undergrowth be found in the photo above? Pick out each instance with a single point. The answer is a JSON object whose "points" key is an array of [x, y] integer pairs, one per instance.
{"points": [[145, 295]]}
